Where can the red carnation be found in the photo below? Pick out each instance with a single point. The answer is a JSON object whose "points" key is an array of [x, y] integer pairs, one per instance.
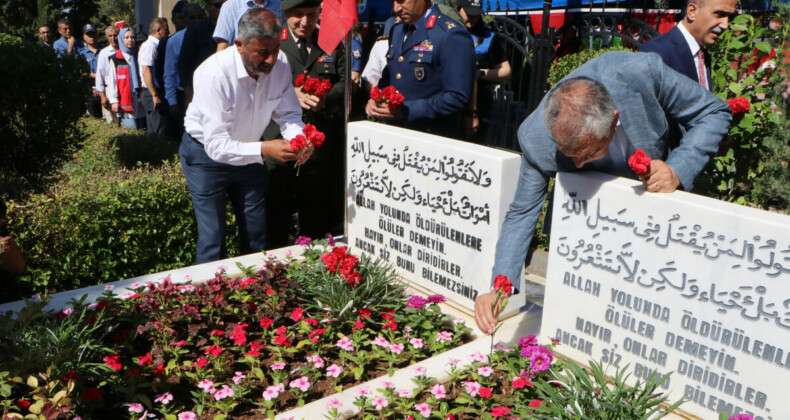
{"points": [[639, 162], [23, 404], [389, 96], [297, 314], [499, 411], [323, 88], [504, 284], [298, 143], [311, 133], [485, 392], [311, 85], [146, 360], [535, 403], [739, 105], [300, 79], [266, 322]]}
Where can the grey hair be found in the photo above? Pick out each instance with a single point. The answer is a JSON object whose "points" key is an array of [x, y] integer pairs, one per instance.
{"points": [[578, 107], [259, 23]]}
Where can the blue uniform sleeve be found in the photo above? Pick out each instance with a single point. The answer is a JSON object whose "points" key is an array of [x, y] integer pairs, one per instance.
{"points": [[356, 54], [172, 82], [457, 58]]}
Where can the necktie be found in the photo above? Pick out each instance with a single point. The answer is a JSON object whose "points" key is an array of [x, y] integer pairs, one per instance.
{"points": [[703, 78], [409, 30], [303, 49]]}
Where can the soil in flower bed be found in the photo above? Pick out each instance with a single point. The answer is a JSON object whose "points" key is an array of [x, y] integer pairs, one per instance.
{"points": [[291, 333]]}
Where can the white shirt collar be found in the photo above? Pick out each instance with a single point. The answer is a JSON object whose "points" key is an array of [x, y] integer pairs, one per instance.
{"points": [[693, 45], [241, 72]]}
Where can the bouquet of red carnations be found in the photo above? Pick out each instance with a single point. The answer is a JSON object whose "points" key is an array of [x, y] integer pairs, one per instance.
{"points": [[313, 85], [389, 96], [309, 134]]}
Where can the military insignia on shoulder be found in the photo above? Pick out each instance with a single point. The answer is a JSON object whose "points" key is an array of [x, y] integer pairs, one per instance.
{"points": [[284, 34], [431, 22], [450, 25], [357, 54], [419, 73]]}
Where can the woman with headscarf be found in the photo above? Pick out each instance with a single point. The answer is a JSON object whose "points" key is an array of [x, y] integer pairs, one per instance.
{"points": [[123, 86]]}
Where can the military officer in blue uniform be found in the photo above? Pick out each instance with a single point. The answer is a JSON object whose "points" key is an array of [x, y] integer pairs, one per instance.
{"points": [[431, 61]]}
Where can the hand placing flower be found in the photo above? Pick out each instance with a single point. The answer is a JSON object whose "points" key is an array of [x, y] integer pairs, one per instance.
{"points": [[310, 135], [639, 162]]}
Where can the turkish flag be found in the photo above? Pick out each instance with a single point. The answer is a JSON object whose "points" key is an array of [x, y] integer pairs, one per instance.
{"points": [[337, 18]]}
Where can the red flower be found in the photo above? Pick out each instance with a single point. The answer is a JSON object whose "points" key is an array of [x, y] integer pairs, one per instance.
{"points": [[298, 143], [202, 361], [214, 350], [363, 313], [146, 360], [485, 392], [266, 322], [216, 332], [739, 105], [389, 96], [311, 133], [255, 349], [300, 79], [499, 411], [535, 403], [311, 321], [280, 331], [134, 373], [312, 85], [282, 341], [178, 343], [449, 417], [520, 382], [113, 361], [159, 370], [91, 394], [23, 404], [297, 315], [391, 325], [503, 284], [239, 336], [357, 325], [639, 162], [71, 375]]}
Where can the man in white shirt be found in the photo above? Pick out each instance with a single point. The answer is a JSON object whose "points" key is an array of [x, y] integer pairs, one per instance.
{"points": [[150, 98], [683, 47], [237, 92], [103, 69]]}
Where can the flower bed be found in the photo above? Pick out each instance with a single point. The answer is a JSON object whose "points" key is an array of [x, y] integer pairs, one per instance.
{"points": [[291, 333]]}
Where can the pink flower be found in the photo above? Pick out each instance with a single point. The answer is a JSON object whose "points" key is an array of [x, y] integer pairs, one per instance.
{"points": [[453, 361], [302, 383], [472, 388], [421, 370], [379, 403], [135, 407], [485, 371], [271, 392], [187, 415], [225, 392], [333, 403], [424, 409], [405, 393], [388, 384], [109, 287], [346, 344], [478, 357], [362, 391], [334, 371], [396, 348], [380, 341], [278, 366], [438, 391], [316, 360], [238, 378], [205, 385], [742, 417], [416, 343], [164, 398], [444, 336]]}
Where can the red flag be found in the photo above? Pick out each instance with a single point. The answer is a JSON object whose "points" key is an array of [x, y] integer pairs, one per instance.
{"points": [[337, 18]]}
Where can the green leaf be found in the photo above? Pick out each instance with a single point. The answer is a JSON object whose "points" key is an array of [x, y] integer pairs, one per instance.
{"points": [[220, 417], [764, 47], [735, 88]]}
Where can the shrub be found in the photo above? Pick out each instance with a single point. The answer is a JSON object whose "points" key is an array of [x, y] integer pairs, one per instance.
{"points": [[40, 108], [105, 222], [564, 65]]}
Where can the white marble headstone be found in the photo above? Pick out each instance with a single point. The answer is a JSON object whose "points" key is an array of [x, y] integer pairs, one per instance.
{"points": [[673, 283], [429, 205]]}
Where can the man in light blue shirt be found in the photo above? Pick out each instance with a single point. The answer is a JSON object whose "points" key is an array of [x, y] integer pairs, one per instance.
{"points": [[68, 44], [231, 12]]}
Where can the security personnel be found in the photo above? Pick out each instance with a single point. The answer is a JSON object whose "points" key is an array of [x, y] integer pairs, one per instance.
{"points": [[431, 61], [317, 194]]}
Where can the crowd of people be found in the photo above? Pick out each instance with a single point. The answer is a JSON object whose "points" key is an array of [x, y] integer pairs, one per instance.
{"points": [[232, 86]]}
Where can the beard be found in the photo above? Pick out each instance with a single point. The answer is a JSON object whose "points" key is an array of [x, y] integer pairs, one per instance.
{"points": [[263, 68]]}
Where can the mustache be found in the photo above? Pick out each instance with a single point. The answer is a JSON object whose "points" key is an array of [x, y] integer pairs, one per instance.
{"points": [[717, 30]]}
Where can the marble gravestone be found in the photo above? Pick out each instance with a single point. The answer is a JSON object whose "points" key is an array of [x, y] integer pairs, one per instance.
{"points": [[430, 206], [673, 283]]}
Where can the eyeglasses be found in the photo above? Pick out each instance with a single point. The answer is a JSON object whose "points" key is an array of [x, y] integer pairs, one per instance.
{"points": [[43, 32]]}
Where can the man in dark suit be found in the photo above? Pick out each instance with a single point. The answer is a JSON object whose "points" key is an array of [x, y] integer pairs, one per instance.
{"points": [[683, 47], [431, 61], [317, 194], [594, 119]]}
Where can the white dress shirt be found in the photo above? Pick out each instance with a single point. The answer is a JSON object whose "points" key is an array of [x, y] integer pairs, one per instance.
{"points": [[230, 109], [376, 62], [146, 57], [694, 47], [103, 67]]}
